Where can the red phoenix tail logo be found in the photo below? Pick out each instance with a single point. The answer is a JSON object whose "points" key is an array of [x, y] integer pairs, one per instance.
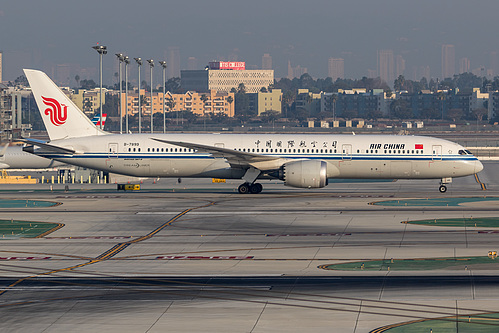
{"points": [[58, 112]]}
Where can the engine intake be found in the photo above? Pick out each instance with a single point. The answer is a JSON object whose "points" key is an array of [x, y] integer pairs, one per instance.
{"points": [[305, 174]]}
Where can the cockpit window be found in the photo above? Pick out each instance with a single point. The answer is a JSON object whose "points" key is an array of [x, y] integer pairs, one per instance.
{"points": [[464, 152]]}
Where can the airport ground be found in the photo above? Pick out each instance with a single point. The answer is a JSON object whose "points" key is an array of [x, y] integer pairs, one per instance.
{"points": [[198, 257]]}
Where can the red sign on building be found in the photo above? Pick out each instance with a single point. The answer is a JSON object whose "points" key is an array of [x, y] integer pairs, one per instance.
{"points": [[234, 65]]}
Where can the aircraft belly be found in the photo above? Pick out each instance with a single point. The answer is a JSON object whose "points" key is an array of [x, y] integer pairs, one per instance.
{"points": [[401, 169], [363, 169]]}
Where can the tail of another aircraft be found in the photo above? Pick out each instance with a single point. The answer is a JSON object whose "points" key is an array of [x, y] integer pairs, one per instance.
{"points": [[62, 118], [97, 121]]}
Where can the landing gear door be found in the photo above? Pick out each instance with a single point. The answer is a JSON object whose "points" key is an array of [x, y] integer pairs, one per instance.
{"points": [[346, 152], [436, 153], [112, 150]]}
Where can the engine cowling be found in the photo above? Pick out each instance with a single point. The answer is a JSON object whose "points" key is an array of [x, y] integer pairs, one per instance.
{"points": [[305, 174]]}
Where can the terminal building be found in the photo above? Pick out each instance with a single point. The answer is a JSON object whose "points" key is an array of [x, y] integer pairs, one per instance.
{"points": [[226, 75]]}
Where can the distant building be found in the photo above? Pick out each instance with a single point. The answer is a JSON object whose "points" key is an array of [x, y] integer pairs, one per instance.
{"points": [[309, 101], [448, 61], [399, 66], [464, 65], [1, 54], [88, 100], [173, 62], [63, 74], [297, 71], [224, 76], [266, 101], [386, 66], [216, 102], [336, 68], [494, 63], [362, 101], [266, 61], [192, 63]]}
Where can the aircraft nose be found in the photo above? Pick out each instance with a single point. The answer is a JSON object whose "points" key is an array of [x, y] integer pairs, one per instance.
{"points": [[478, 166]]}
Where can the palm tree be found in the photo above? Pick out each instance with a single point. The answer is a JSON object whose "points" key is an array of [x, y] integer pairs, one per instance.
{"points": [[77, 79], [230, 100], [204, 98]]}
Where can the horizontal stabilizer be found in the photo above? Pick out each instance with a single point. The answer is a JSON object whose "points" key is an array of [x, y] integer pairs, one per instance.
{"points": [[48, 147]]}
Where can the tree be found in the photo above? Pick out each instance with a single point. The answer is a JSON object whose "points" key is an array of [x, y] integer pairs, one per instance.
{"points": [[455, 114], [21, 80], [170, 103], [173, 85], [400, 109], [478, 114], [77, 79], [241, 88], [270, 116], [88, 84], [349, 114], [230, 100], [430, 113], [399, 83]]}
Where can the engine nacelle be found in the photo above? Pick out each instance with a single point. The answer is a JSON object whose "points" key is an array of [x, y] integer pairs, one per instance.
{"points": [[305, 174]]}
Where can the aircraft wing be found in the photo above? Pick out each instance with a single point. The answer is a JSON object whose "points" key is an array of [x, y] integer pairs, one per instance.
{"points": [[234, 157], [48, 147]]}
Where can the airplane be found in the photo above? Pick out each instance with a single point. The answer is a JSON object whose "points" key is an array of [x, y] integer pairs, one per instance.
{"points": [[300, 160], [13, 157], [96, 120]]}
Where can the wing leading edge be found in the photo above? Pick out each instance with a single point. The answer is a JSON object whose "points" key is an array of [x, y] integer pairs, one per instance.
{"points": [[234, 157]]}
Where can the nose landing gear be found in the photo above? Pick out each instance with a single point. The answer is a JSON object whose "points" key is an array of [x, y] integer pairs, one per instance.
{"points": [[443, 183]]}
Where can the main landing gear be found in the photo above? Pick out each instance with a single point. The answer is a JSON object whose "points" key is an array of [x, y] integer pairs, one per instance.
{"points": [[442, 188], [250, 186], [246, 188]]}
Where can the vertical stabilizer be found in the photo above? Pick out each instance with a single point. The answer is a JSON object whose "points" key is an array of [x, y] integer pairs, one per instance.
{"points": [[61, 116]]}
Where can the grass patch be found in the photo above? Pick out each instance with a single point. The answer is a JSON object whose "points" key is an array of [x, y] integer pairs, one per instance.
{"points": [[26, 229], [478, 222], [473, 323], [433, 202], [424, 264], [5, 203]]}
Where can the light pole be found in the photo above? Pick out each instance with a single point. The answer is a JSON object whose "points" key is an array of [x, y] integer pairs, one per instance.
{"points": [[101, 49], [151, 65], [163, 64], [127, 61], [120, 57], [139, 63]]}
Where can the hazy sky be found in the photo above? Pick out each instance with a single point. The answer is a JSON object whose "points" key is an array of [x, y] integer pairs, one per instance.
{"points": [[41, 34]]}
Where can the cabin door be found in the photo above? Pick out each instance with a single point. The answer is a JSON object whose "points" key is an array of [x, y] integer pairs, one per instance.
{"points": [[436, 153], [346, 152], [112, 150]]}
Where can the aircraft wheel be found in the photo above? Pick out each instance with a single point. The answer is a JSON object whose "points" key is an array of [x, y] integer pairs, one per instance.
{"points": [[442, 188], [256, 188], [244, 188]]}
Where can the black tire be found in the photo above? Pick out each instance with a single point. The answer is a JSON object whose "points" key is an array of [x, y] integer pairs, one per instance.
{"points": [[442, 188], [256, 188], [243, 188]]}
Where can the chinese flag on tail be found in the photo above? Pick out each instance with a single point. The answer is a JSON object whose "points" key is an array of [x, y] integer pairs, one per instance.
{"points": [[418, 146]]}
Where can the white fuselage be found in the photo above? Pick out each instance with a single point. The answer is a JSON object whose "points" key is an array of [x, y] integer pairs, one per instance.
{"points": [[15, 158], [347, 156]]}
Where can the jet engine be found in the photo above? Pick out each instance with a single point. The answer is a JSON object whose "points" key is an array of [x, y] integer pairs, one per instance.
{"points": [[305, 174]]}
